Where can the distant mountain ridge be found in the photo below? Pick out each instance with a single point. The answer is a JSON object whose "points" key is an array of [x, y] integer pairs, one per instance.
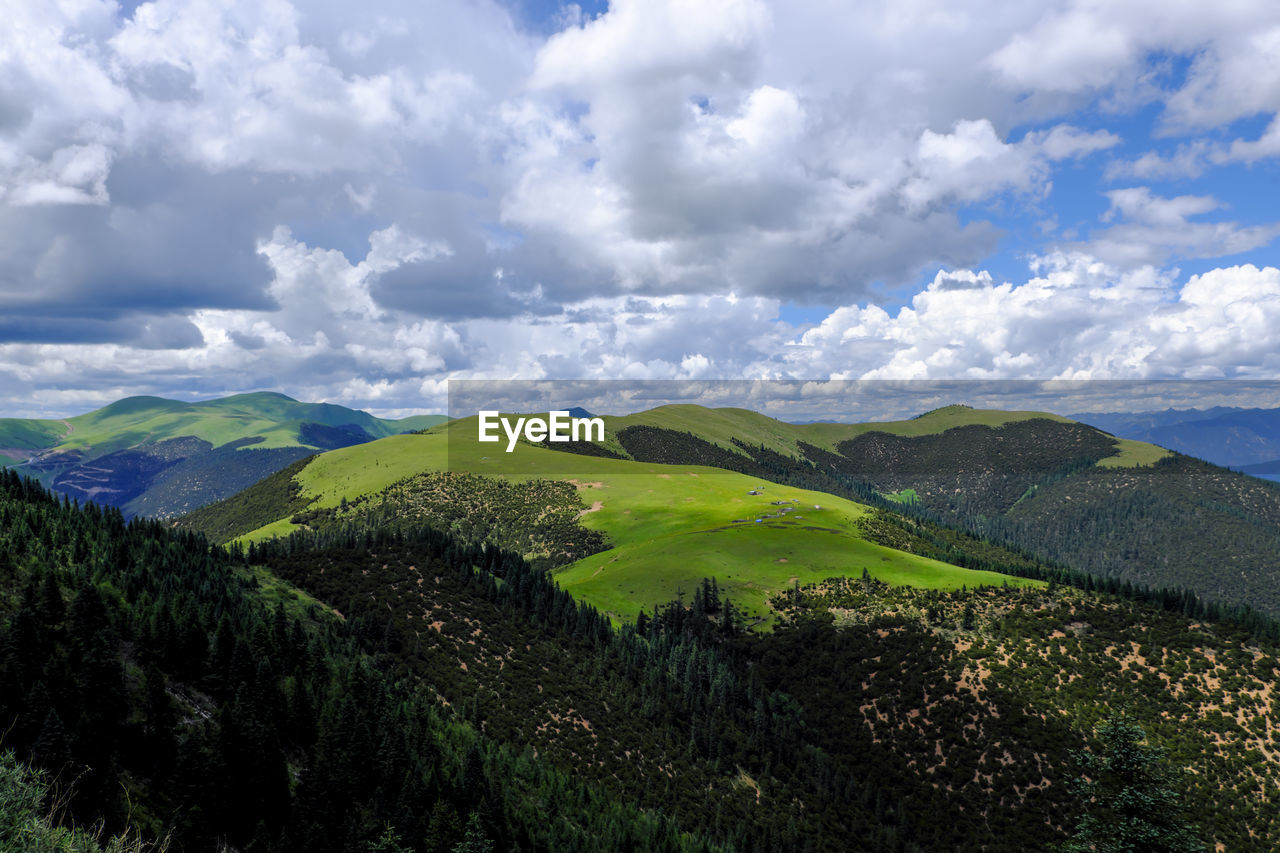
{"points": [[1244, 439], [154, 456]]}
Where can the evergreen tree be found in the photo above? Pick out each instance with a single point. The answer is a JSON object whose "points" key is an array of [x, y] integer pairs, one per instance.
{"points": [[1130, 803], [474, 841]]}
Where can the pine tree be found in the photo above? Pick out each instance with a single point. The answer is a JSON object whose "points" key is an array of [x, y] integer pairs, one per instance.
{"points": [[1129, 800]]}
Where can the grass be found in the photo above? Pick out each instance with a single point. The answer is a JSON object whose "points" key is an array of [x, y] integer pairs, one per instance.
{"points": [[275, 591], [671, 525], [722, 425], [828, 435], [1132, 453], [750, 562], [25, 434], [136, 420]]}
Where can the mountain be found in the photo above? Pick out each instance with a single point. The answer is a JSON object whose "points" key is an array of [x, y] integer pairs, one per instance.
{"points": [[1054, 491], [152, 456], [1057, 490], [1045, 490], [369, 684], [620, 534], [1232, 437]]}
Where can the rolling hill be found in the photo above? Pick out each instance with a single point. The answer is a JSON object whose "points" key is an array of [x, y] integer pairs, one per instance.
{"points": [[1055, 489], [272, 695], [660, 529], [152, 456], [1051, 489], [916, 718]]}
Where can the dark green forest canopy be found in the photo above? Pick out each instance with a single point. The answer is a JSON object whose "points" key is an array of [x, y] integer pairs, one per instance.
{"points": [[153, 671], [458, 685]]}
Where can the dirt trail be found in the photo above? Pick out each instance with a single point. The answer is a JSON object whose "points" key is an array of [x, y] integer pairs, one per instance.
{"points": [[595, 507]]}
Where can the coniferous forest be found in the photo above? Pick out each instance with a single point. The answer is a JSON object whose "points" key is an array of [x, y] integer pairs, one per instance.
{"points": [[364, 688]]}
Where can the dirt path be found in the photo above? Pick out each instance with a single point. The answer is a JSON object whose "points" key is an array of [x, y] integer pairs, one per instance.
{"points": [[595, 507]]}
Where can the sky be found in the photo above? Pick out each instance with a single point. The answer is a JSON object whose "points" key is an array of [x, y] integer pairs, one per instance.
{"points": [[356, 203]]}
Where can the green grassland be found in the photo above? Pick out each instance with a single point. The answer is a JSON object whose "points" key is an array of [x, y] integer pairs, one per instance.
{"points": [[752, 561], [161, 458], [19, 434], [670, 525], [1132, 454], [273, 417]]}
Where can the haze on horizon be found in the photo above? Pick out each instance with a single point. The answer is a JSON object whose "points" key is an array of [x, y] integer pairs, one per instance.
{"points": [[356, 203]]}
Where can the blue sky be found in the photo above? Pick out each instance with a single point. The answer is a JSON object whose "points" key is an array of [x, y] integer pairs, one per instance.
{"points": [[360, 203]]}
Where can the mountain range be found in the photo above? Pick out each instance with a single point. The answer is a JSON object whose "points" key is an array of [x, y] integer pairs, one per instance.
{"points": [[1244, 439], [711, 631], [157, 457]]}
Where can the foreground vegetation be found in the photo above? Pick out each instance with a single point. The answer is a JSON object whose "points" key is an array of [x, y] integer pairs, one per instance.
{"points": [[351, 686], [154, 673]]}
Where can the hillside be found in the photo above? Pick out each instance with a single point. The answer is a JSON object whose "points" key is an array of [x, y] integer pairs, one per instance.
{"points": [[908, 718], [730, 426], [1060, 491], [152, 456], [1033, 482], [200, 701], [401, 658], [620, 534], [1228, 436]]}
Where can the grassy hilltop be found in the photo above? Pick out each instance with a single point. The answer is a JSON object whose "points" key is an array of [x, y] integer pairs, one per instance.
{"points": [[668, 526], [299, 681], [674, 500], [152, 456]]}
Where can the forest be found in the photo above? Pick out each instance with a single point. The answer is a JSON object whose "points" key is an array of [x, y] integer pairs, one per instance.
{"points": [[404, 688]]}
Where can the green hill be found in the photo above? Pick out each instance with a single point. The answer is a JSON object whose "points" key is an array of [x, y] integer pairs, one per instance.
{"points": [[730, 427], [371, 685], [154, 456], [1052, 489], [662, 528], [1060, 491]]}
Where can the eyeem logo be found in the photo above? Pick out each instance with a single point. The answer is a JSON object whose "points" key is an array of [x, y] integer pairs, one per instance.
{"points": [[556, 426]]}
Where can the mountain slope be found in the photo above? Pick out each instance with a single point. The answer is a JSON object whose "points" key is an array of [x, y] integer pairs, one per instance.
{"points": [[202, 701], [149, 455], [661, 528], [1232, 437], [906, 718], [1061, 491]]}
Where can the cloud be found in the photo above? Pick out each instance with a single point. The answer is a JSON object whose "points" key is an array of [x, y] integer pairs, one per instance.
{"points": [[1078, 318], [1189, 160], [359, 201], [1153, 229]]}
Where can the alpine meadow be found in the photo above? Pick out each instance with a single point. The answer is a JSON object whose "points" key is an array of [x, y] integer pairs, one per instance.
{"points": [[714, 426]]}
